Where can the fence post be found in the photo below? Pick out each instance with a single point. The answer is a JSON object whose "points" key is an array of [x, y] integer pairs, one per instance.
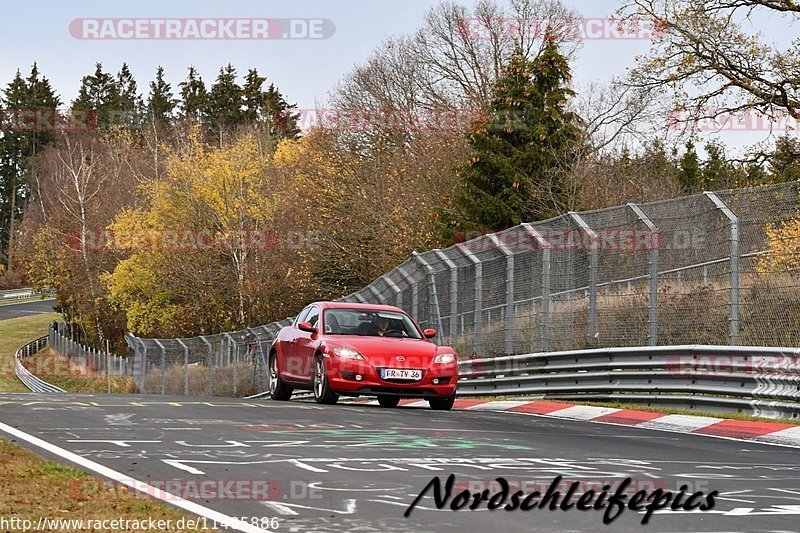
{"points": [[591, 329], [210, 363], [185, 367], [655, 242], [545, 293], [398, 295], [375, 293], [733, 223], [453, 293], [432, 295], [233, 349], [144, 363], [478, 344], [412, 284], [509, 291], [163, 364]]}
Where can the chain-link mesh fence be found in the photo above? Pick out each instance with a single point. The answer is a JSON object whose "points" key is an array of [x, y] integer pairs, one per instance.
{"points": [[695, 270]]}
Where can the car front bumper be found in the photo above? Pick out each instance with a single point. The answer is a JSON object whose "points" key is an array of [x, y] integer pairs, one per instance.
{"points": [[354, 377]]}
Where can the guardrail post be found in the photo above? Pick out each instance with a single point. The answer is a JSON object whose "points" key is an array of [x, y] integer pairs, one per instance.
{"points": [[210, 363], [453, 294], [545, 292], [433, 297], [478, 344], [591, 329], [509, 291], [398, 294], [655, 243], [733, 223]]}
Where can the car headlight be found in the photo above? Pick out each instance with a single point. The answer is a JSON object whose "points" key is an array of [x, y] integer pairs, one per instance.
{"points": [[348, 353], [444, 358]]}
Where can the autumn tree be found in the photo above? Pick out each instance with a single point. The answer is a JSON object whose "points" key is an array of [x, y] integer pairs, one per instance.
{"points": [[218, 204], [713, 59]]}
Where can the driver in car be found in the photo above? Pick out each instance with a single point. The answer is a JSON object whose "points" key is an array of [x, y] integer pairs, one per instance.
{"points": [[381, 325], [377, 327]]}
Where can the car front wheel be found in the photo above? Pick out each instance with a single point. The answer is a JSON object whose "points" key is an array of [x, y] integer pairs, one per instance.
{"points": [[322, 388], [443, 405], [388, 401], [278, 390]]}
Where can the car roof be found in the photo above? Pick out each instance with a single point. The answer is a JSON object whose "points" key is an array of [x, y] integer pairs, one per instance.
{"points": [[360, 306]]}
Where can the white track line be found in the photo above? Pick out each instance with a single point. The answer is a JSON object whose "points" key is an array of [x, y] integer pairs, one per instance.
{"points": [[159, 494]]}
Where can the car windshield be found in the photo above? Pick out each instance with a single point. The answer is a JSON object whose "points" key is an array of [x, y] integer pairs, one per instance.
{"points": [[369, 323]]}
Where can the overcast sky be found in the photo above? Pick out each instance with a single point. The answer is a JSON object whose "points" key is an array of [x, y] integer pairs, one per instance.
{"points": [[304, 70]]}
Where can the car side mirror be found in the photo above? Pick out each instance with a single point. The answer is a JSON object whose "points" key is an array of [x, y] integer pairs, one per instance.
{"points": [[306, 326], [429, 333]]}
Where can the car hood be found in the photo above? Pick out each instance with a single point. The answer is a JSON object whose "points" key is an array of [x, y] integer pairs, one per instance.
{"points": [[379, 349]]}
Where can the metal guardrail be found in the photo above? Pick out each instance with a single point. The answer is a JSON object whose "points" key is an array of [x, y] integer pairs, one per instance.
{"points": [[25, 376], [23, 294], [761, 381]]}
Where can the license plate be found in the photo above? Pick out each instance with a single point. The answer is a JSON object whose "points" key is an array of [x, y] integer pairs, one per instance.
{"points": [[401, 373]]}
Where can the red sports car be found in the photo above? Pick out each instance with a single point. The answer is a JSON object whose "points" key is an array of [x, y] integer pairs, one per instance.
{"points": [[337, 348]]}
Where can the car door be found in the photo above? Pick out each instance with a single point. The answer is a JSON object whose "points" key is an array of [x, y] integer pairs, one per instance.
{"points": [[306, 345], [291, 364]]}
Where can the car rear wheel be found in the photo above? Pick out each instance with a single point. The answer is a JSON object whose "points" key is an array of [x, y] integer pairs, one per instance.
{"points": [[322, 389], [442, 405], [388, 401], [278, 390]]}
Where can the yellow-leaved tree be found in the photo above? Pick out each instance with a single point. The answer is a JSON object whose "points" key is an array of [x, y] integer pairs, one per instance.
{"points": [[195, 246], [783, 246]]}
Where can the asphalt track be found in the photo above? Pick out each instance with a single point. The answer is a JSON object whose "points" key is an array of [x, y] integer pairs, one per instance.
{"points": [[36, 307], [358, 467]]}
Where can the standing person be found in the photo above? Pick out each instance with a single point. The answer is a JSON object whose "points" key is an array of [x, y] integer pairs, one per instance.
{"points": [[250, 344], [54, 326]]}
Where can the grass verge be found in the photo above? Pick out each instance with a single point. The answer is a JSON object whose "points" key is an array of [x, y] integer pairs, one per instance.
{"points": [[15, 332], [31, 488]]}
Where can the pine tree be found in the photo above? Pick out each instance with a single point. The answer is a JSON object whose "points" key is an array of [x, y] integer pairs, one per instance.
{"points": [[717, 171], [253, 96], [98, 98], [689, 171], [129, 105], [160, 102], [523, 148], [281, 115], [194, 96], [225, 101], [784, 162], [30, 108]]}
